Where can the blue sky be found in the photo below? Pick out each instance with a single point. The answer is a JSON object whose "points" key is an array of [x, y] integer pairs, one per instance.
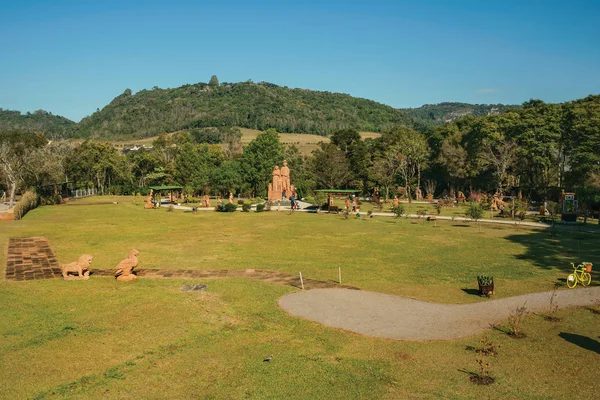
{"points": [[72, 57]]}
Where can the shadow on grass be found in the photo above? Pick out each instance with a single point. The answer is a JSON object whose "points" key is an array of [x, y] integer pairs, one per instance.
{"points": [[470, 373], [558, 252], [500, 328], [461, 225], [593, 310], [474, 292], [581, 341]]}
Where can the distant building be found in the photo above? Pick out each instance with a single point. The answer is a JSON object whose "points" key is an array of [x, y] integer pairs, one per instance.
{"points": [[135, 148]]}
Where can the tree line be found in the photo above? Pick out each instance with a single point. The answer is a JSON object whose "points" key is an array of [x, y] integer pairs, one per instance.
{"points": [[536, 148]]}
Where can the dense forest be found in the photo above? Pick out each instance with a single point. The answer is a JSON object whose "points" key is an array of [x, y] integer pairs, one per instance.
{"points": [[39, 121], [431, 115]]}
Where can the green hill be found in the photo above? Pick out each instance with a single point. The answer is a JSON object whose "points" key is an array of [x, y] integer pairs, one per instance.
{"points": [[430, 115], [246, 104], [40, 121]]}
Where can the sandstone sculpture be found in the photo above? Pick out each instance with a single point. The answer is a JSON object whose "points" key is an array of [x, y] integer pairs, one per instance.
{"points": [[124, 270], [285, 178], [375, 196], [281, 187], [148, 202], [418, 194], [276, 185], [498, 203], [79, 267]]}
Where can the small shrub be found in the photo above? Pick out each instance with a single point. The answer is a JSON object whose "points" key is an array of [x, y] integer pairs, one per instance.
{"points": [[240, 202], [485, 280], [515, 322], [488, 348], [320, 198], [551, 316], [28, 202], [227, 207], [484, 373], [474, 211], [398, 211], [246, 207], [193, 200], [422, 214], [260, 207], [268, 205], [170, 208]]}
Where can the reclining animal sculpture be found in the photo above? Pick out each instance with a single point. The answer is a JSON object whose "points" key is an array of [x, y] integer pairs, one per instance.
{"points": [[79, 267]]}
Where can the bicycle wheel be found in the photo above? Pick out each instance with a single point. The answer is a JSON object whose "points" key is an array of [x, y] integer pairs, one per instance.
{"points": [[571, 281], [586, 279]]}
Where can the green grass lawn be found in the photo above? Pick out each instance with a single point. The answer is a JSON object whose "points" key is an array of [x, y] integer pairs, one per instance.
{"points": [[106, 339]]}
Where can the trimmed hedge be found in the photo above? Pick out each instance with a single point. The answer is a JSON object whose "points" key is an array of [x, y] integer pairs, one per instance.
{"points": [[227, 207], [28, 202]]}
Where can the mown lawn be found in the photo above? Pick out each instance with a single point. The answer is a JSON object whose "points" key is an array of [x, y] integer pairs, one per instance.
{"points": [[105, 339]]}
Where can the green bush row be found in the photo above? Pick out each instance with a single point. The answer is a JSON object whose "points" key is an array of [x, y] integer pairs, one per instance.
{"points": [[227, 207], [29, 201]]}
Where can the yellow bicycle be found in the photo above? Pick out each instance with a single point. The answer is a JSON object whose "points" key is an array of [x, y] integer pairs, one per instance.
{"points": [[581, 274]]}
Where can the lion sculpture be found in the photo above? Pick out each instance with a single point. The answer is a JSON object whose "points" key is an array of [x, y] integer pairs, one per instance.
{"points": [[80, 267], [124, 270]]}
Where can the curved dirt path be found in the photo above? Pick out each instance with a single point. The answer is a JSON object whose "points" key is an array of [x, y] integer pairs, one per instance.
{"points": [[401, 318]]}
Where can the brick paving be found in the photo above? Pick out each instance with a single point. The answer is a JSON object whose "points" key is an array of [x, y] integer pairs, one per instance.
{"points": [[32, 258]]}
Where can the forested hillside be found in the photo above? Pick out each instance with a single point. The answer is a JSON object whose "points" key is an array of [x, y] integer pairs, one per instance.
{"points": [[246, 104], [39, 121], [430, 115]]}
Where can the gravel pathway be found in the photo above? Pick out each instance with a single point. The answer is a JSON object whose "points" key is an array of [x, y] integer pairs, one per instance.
{"points": [[401, 318]]}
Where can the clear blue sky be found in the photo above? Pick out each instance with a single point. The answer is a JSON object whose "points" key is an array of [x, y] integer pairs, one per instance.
{"points": [[72, 57]]}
